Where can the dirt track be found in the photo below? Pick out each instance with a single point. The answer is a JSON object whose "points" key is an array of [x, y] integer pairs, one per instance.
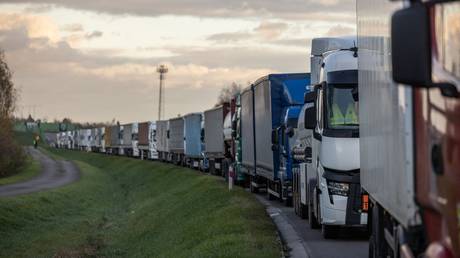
{"points": [[53, 174]]}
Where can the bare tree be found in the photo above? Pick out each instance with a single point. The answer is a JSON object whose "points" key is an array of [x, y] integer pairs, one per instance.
{"points": [[228, 92]]}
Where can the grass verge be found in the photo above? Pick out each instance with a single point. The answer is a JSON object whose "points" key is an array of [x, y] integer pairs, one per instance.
{"points": [[30, 169], [130, 208]]}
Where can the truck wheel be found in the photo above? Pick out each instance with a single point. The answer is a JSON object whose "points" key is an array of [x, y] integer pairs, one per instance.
{"points": [[288, 202], [312, 221], [328, 231], [271, 197], [303, 211], [371, 248], [252, 188]]}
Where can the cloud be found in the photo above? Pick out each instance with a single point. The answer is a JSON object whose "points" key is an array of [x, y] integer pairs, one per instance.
{"points": [[265, 31], [75, 27], [271, 30], [290, 9], [66, 75], [341, 30], [36, 26], [94, 34], [230, 37]]}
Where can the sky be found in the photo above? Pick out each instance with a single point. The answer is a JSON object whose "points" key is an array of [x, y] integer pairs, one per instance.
{"points": [[94, 61]]}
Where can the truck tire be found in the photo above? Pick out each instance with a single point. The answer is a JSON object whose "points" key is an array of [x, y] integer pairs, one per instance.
{"points": [[303, 211], [378, 247], [288, 202], [312, 220], [328, 231], [251, 187]]}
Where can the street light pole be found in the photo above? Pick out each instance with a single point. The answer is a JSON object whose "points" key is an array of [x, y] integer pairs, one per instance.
{"points": [[162, 70]]}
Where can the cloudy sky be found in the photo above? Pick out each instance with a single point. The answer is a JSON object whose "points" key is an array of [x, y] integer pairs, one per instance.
{"points": [[96, 60]]}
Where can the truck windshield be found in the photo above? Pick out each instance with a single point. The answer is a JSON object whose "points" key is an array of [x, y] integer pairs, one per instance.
{"points": [[342, 106]]}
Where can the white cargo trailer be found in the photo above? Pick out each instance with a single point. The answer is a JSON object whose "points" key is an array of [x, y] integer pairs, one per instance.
{"points": [[214, 137], [162, 139], [176, 140]]}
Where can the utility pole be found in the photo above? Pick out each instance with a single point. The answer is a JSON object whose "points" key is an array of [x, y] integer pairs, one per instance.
{"points": [[162, 70]]}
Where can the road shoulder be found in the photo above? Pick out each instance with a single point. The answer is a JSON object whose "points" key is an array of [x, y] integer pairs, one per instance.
{"points": [[295, 244]]}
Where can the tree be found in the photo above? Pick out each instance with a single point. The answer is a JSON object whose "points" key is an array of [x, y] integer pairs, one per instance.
{"points": [[8, 93], [227, 93], [12, 157]]}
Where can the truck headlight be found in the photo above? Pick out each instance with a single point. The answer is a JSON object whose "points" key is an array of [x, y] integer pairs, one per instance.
{"points": [[336, 188]]}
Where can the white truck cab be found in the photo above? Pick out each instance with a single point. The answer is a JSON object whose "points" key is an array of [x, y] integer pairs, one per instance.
{"points": [[333, 180]]}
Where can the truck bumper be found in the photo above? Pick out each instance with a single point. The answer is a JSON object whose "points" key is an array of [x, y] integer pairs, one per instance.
{"points": [[340, 212]]}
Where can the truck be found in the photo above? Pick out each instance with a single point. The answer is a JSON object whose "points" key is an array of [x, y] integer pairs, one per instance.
{"points": [[214, 137], [93, 141], [240, 178], [116, 140], [130, 140], [409, 77], [330, 167], [162, 139], [263, 108], [108, 139], [301, 156], [176, 140], [229, 163], [286, 136], [100, 141], [193, 148], [147, 141]]}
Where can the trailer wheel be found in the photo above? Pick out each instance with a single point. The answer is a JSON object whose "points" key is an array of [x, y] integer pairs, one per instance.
{"points": [[271, 197], [288, 202], [328, 231], [251, 187], [371, 248], [303, 211]]}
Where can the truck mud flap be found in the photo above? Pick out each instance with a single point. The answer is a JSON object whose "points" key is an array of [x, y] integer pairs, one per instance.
{"points": [[354, 204]]}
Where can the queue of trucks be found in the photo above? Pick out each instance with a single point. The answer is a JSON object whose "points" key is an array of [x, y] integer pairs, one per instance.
{"points": [[369, 139]]}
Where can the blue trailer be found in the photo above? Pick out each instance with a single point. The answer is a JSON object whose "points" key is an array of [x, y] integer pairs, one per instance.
{"points": [[274, 101], [193, 146]]}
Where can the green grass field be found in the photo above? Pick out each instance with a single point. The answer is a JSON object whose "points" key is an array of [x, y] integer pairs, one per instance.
{"points": [[130, 208]]}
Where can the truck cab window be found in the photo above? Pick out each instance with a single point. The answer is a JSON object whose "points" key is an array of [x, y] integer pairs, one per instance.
{"points": [[342, 108]]}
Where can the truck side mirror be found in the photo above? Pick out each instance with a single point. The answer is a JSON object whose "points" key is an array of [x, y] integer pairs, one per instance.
{"points": [[411, 46], [310, 116], [309, 97], [202, 134], [290, 132], [411, 49], [167, 134], [274, 137]]}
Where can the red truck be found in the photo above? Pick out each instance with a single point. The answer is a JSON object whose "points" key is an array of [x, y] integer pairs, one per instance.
{"points": [[409, 81]]}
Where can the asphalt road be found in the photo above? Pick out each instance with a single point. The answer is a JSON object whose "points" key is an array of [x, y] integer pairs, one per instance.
{"points": [[53, 174], [348, 244]]}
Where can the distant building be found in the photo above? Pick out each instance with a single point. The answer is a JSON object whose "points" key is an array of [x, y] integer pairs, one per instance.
{"points": [[30, 123]]}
